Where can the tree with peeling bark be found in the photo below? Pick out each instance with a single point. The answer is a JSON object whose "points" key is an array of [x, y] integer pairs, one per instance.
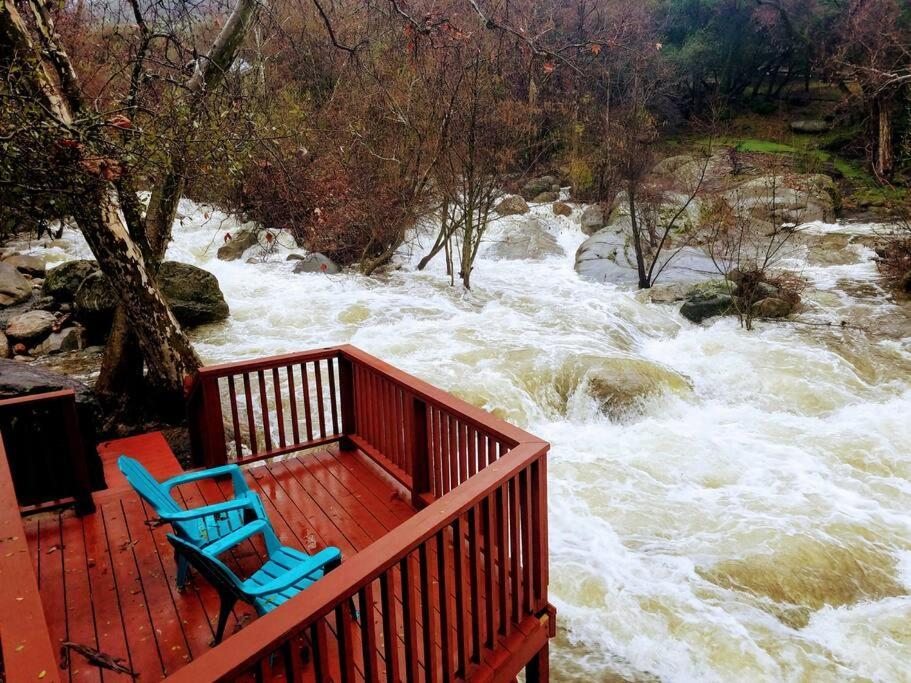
{"points": [[86, 164]]}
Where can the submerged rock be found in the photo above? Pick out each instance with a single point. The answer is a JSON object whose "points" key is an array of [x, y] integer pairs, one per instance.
{"points": [[316, 263], [514, 205], [528, 241], [622, 386], [64, 281], [14, 287], [30, 327], [235, 247]]}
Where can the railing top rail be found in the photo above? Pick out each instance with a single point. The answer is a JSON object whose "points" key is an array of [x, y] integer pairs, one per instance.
{"points": [[431, 394], [267, 363], [267, 634], [37, 398], [25, 639]]}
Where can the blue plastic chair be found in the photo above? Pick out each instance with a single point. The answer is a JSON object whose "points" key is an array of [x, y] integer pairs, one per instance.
{"points": [[285, 573], [198, 526]]}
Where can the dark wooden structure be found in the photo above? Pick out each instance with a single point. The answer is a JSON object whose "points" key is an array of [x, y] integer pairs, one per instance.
{"points": [[439, 508]]}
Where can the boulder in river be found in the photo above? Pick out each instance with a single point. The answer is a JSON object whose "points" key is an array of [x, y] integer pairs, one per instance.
{"points": [[26, 264], [562, 209], [708, 300], [592, 219], [608, 257], [513, 205], [69, 339], [772, 307], [528, 241], [234, 248], [192, 293], [546, 198], [14, 287], [536, 186], [622, 386], [30, 327], [63, 282], [778, 200], [317, 263], [4, 346]]}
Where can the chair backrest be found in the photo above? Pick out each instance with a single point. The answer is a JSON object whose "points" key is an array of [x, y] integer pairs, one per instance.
{"points": [[151, 491], [213, 569]]}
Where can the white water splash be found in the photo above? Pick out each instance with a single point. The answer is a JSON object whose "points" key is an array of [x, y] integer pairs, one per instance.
{"points": [[756, 527]]}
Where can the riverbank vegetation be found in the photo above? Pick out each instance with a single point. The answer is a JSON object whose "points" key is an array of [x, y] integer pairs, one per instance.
{"points": [[345, 125]]}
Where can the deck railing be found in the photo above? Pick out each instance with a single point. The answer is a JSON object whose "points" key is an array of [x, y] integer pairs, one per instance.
{"points": [[46, 452], [457, 591], [425, 438], [26, 652]]}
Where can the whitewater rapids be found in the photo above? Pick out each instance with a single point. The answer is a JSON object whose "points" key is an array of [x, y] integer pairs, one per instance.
{"points": [[748, 518]]}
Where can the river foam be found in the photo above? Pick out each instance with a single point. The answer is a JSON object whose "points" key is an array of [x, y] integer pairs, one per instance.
{"points": [[751, 522]]}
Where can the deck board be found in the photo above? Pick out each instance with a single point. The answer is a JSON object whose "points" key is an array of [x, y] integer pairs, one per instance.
{"points": [[108, 579]]}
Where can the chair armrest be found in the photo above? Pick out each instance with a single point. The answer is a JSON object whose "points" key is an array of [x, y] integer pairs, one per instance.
{"points": [[206, 510], [236, 537], [301, 571], [237, 478]]}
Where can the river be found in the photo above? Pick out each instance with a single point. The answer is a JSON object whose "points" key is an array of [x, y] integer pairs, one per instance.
{"points": [[741, 513]]}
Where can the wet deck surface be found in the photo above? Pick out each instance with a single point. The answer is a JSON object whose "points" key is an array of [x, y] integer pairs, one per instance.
{"points": [[107, 580]]}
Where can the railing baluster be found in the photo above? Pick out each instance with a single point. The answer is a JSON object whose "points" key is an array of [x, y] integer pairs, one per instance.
{"points": [[251, 418], [461, 597], [490, 584], [292, 399], [319, 638], [343, 624], [525, 519], [279, 412], [503, 555], [369, 642], [264, 406], [333, 400], [390, 629], [409, 618], [514, 550], [427, 614], [305, 387], [320, 403], [453, 453], [235, 418], [474, 579], [445, 604]]}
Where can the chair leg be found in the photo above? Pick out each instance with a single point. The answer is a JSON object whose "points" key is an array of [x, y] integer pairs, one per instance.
{"points": [[227, 604], [183, 569]]}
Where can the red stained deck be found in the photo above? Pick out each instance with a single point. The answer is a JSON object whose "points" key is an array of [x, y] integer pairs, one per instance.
{"points": [[107, 580]]}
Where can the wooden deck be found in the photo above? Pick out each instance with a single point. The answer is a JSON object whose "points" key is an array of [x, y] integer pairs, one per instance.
{"points": [[107, 580]]}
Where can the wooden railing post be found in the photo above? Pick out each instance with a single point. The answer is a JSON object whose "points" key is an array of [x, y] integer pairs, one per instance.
{"points": [[82, 486], [207, 430], [420, 465], [346, 395]]}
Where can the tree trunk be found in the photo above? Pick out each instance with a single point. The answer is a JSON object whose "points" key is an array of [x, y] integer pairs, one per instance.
{"points": [[637, 240], [884, 163]]}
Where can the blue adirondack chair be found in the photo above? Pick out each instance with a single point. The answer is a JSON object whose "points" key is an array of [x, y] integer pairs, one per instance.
{"points": [[285, 573], [198, 526]]}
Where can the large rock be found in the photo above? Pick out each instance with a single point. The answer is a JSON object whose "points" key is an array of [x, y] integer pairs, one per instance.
{"points": [[192, 293], [69, 339], [546, 198], [235, 248], [810, 126], [14, 288], [95, 303], [4, 346], [26, 263], [592, 219], [687, 171], [778, 200], [31, 327], [536, 186], [707, 300], [22, 379], [562, 209], [528, 241], [316, 263], [772, 307], [608, 257], [63, 282], [512, 205]]}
